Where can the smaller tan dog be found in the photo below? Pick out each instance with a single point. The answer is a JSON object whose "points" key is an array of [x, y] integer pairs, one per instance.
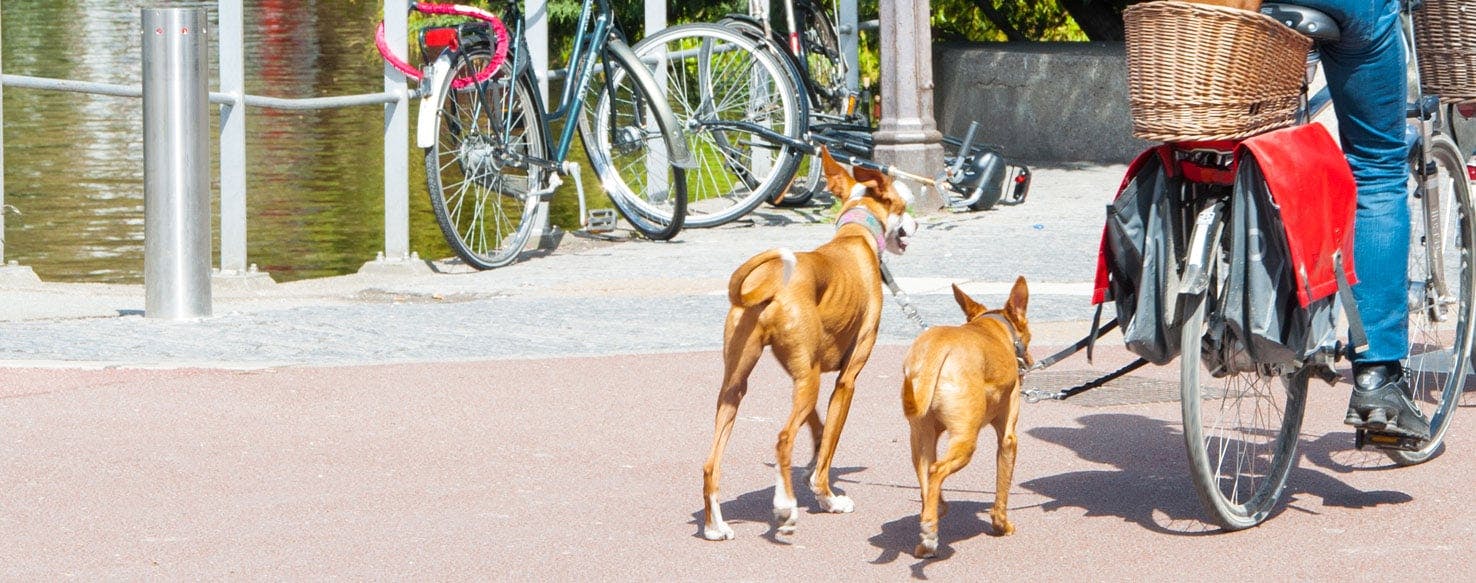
{"points": [[956, 379]]}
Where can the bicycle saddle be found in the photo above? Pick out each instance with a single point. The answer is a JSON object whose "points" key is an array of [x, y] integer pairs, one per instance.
{"points": [[1309, 21]]}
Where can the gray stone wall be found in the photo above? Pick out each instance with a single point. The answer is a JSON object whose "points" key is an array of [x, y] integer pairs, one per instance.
{"points": [[1039, 102]]}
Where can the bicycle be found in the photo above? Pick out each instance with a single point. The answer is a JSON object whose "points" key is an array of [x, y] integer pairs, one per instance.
{"points": [[491, 166], [1241, 433], [754, 109]]}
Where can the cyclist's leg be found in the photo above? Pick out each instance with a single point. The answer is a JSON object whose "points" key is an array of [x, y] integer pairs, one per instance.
{"points": [[1366, 76]]}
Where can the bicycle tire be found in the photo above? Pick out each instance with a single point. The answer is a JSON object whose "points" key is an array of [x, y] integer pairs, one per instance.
{"points": [[1240, 457], [630, 142], [1440, 351], [824, 63], [726, 76], [477, 173]]}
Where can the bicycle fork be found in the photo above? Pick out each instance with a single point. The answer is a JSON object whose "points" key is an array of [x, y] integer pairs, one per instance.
{"points": [[1431, 193]]}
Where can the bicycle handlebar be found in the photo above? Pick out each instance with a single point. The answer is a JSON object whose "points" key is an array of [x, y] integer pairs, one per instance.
{"points": [[499, 51]]}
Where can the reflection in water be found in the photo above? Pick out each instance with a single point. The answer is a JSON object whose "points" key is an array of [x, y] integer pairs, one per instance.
{"points": [[315, 195]]}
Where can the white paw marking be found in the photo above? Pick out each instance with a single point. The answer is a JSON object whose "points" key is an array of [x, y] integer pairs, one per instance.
{"points": [[781, 499], [719, 531], [928, 548], [837, 504]]}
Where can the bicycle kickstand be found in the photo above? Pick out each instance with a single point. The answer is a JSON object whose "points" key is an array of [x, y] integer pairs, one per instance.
{"points": [[593, 220]]}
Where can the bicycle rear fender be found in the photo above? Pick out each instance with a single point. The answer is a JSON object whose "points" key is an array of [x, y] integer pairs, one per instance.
{"points": [[425, 125]]}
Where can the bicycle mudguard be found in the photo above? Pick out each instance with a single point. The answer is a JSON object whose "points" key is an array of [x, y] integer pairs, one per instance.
{"points": [[425, 124]]}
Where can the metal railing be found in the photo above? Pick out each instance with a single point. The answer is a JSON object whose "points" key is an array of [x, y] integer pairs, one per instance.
{"points": [[395, 99]]}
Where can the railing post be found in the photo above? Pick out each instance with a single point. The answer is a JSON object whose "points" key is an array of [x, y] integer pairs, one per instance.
{"points": [[537, 37], [396, 257], [176, 68], [233, 266], [655, 16], [850, 46]]}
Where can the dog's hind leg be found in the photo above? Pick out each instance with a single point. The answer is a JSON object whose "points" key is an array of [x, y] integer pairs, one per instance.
{"points": [[741, 351], [806, 392], [962, 441], [924, 452], [1004, 428], [817, 432], [835, 422]]}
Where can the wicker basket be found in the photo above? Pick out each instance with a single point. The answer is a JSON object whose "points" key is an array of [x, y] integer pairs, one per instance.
{"points": [[1445, 37], [1198, 72]]}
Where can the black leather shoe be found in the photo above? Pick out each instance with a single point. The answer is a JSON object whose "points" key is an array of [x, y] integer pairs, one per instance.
{"points": [[1381, 402]]}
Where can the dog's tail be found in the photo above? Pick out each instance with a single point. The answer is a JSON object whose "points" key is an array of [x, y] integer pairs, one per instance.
{"points": [[919, 384], [760, 278]]}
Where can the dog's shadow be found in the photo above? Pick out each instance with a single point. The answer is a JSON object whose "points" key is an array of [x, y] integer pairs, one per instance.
{"points": [[758, 506], [965, 520], [1150, 483]]}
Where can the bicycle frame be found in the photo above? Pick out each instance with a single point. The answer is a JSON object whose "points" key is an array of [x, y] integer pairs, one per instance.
{"points": [[596, 24]]}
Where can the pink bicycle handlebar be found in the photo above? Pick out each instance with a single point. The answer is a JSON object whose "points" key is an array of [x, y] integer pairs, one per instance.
{"points": [[499, 51]]}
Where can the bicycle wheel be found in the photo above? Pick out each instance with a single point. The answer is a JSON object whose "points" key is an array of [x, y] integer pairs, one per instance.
{"points": [[1441, 242], [1240, 429], [627, 144], [727, 91], [477, 171], [824, 63]]}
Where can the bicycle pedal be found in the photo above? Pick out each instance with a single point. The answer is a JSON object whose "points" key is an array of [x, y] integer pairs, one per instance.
{"points": [[1364, 437], [600, 221]]}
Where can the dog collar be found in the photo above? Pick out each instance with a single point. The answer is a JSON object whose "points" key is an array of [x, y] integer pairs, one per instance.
{"points": [[1014, 336], [863, 217]]}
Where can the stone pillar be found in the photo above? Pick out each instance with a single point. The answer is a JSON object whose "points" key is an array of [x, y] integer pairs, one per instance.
{"points": [[908, 138]]}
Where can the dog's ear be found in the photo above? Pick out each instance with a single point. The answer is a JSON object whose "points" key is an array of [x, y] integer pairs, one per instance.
{"points": [[880, 181], [837, 180], [971, 308], [1019, 298]]}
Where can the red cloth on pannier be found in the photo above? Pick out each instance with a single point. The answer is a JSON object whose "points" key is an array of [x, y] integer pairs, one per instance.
{"points": [[1310, 180], [1312, 185]]}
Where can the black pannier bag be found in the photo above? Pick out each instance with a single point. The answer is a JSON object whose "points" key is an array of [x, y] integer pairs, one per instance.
{"points": [[1140, 260], [1260, 319], [1290, 232]]}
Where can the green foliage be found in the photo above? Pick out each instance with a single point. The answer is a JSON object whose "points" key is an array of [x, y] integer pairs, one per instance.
{"points": [[1001, 20]]}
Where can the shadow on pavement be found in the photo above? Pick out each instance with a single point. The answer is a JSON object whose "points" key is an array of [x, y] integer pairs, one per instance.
{"points": [[963, 522], [1150, 484]]}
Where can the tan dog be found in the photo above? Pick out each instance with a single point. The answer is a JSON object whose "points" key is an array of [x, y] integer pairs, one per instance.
{"points": [[956, 379], [818, 311]]}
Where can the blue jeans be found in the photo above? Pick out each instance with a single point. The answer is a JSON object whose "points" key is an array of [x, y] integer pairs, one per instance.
{"points": [[1366, 77]]}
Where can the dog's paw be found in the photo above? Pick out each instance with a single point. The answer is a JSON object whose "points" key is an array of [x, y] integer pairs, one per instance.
{"points": [[1002, 526], [719, 531], [926, 549], [836, 504], [786, 518]]}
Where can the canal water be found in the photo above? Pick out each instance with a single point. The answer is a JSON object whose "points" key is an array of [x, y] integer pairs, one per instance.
{"points": [[315, 195]]}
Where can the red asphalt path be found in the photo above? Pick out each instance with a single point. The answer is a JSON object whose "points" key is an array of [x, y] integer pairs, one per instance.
{"points": [[590, 469]]}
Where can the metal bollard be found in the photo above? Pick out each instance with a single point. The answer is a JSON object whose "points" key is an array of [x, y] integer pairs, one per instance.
{"points": [[176, 163]]}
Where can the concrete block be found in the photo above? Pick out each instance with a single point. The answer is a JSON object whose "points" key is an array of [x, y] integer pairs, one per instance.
{"points": [[14, 274], [413, 265], [248, 280], [1046, 102]]}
